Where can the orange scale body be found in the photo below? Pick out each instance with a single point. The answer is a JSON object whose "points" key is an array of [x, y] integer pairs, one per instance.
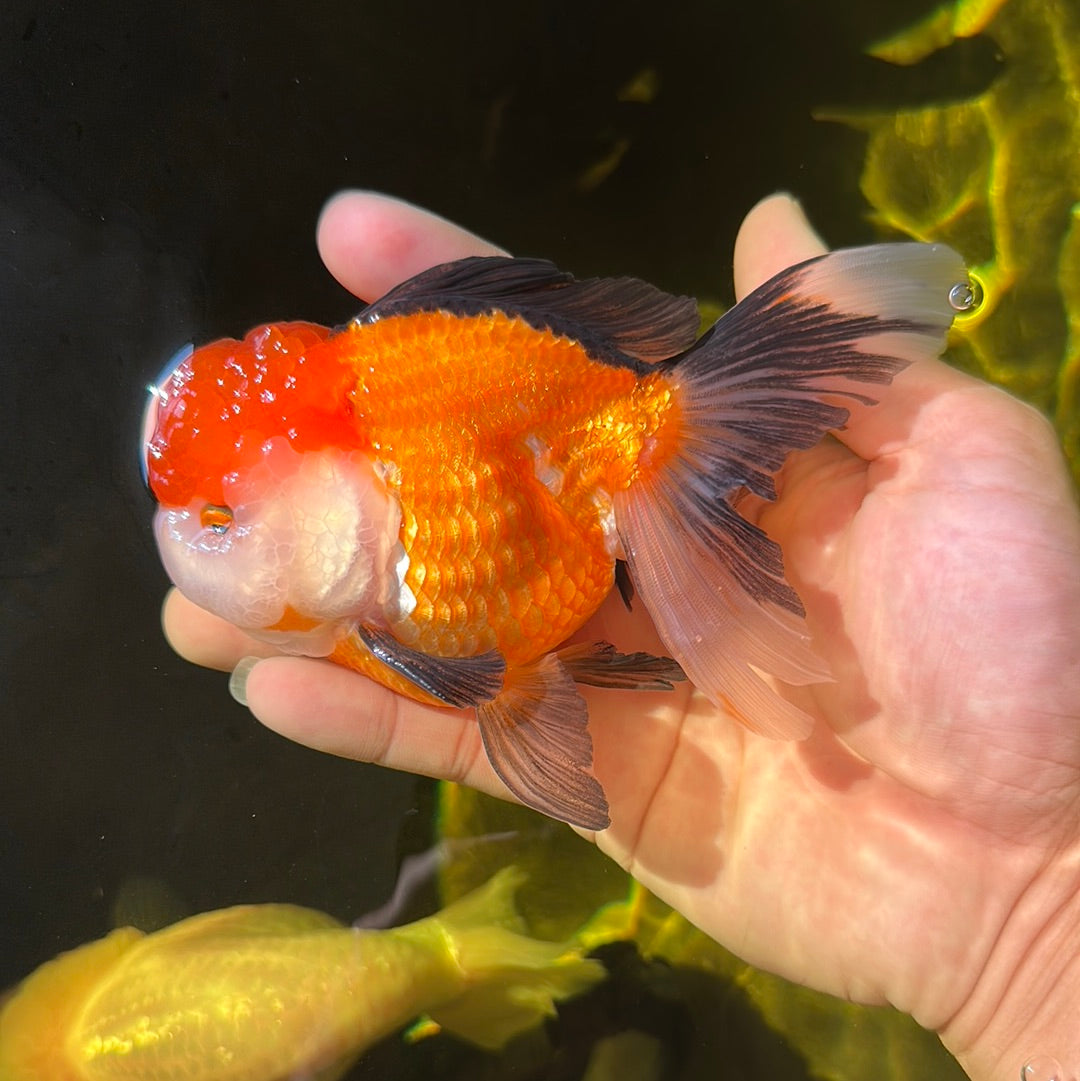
{"points": [[504, 446]]}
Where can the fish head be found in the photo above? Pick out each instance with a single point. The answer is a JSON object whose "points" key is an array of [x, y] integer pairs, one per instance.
{"points": [[271, 512]]}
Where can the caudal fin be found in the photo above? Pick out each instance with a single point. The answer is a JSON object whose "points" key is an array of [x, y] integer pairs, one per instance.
{"points": [[764, 381], [514, 981]]}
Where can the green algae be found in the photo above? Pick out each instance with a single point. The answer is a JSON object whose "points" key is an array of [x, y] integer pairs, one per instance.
{"points": [[998, 177], [572, 887]]}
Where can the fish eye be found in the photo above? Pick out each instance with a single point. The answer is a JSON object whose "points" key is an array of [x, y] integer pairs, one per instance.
{"points": [[216, 518]]}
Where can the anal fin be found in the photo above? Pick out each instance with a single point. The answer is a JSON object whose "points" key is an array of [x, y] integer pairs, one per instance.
{"points": [[533, 721], [537, 739]]}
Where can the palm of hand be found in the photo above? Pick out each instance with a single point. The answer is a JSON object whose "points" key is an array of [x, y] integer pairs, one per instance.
{"points": [[940, 592], [937, 563]]}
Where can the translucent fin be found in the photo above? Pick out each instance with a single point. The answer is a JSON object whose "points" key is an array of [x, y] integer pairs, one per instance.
{"points": [[537, 739], [597, 664], [759, 382], [619, 320], [764, 381], [515, 980], [455, 681], [722, 635], [489, 905]]}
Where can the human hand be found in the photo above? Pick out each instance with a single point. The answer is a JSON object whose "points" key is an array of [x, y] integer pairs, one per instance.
{"points": [[911, 849]]}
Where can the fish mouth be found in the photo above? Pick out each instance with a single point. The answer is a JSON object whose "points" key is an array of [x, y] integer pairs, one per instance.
{"points": [[304, 547]]}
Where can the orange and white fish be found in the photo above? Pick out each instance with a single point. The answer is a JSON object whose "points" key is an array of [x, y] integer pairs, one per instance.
{"points": [[437, 493]]}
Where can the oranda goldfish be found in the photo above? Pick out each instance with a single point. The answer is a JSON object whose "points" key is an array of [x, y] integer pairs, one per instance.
{"points": [[276, 992], [437, 494]]}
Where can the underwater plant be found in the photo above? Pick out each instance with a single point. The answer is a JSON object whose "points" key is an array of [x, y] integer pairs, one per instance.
{"points": [[997, 176], [731, 1012]]}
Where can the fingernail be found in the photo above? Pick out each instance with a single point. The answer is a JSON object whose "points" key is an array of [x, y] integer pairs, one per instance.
{"points": [[795, 203], [239, 678]]}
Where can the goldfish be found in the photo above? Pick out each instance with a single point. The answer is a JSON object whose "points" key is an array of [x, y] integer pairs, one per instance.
{"points": [[274, 991], [441, 492]]}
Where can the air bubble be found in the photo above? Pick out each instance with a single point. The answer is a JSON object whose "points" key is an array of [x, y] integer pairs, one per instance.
{"points": [[1042, 1068], [966, 296]]}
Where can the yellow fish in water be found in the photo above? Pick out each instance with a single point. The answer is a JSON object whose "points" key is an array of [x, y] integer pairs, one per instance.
{"points": [[272, 992]]}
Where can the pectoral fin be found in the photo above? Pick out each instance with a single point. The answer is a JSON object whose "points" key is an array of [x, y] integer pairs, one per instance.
{"points": [[537, 739], [533, 721]]}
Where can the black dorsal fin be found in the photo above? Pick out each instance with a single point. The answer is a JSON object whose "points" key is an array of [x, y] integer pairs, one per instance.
{"points": [[618, 320]]}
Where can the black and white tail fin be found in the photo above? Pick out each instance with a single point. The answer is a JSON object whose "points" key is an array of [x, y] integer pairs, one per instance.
{"points": [[767, 379]]}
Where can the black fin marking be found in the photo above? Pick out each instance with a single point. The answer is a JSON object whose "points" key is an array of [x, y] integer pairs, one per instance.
{"points": [[760, 384], [537, 739], [621, 321], [625, 583], [761, 376], [597, 664], [456, 681]]}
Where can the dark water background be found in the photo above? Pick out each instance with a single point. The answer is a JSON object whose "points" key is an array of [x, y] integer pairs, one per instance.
{"points": [[161, 170]]}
